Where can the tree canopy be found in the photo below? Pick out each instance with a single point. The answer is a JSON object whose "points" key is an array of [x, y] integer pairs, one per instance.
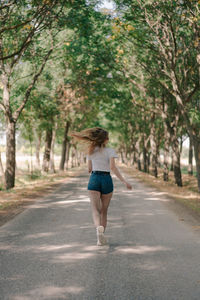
{"points": [[68, 65]]}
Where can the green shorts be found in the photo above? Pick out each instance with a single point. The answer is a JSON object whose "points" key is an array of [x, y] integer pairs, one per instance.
{"points": [[100, 181]]}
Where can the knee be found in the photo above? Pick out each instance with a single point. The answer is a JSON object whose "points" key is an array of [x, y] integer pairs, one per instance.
{"points": [[104, 210], [99, 210], [96, 210]]}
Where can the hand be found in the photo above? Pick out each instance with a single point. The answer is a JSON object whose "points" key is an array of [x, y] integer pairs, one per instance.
{"points": [[129, 187]]}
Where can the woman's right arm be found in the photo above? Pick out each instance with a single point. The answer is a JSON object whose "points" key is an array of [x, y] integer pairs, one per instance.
{"points": [[115, 170], [89, 166]]}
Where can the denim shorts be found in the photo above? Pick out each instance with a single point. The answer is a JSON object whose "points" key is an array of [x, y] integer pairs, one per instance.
{"points": [[101, 182]]}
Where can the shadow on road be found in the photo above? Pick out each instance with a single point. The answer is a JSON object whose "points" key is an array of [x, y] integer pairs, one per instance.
{"points": [[49, 251]]}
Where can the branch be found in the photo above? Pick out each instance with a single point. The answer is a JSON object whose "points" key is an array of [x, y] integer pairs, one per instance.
{"points": [[192, 93], [155, 31], [41, 13], [2, 107], [13, 54], [26, 42], [15, 26], [177, 97], [174, 41], [6, 5], [29, 89], [140, 86], [20, 78]]}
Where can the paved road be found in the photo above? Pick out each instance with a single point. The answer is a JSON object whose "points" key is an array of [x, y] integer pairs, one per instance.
{"points": [[49, 251]]}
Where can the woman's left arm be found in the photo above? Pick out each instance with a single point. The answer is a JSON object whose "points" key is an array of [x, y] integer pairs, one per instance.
{"points": [[89, 166]]}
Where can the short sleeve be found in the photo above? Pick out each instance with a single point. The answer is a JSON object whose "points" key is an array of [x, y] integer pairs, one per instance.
{"points": [[88, 157], [112, 153]]}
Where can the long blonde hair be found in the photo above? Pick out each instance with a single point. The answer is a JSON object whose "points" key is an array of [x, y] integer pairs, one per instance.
{"points": [[93, 137]]}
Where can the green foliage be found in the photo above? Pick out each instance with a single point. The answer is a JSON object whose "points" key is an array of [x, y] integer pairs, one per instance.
{"points": [[195, 117], [115, 71], [36, 174]]}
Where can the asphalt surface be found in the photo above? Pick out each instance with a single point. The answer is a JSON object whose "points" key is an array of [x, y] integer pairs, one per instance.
{"points": [[49, 251]]}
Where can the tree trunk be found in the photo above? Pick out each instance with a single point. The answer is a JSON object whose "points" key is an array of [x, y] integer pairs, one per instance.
{"points": [[181, 145], [77, 158], [145, 160], [190, 158], [67, 155], [122, 157], [72, 158], [154, 162], [47, 151], [166, 154], [145, 153], [172, 163], [134, 160], [176, 162], [149, 160], [2, 172], [64, 146], [196, 144], [137, 147], [38, 145], [10, 154], [126, 156], [10, 135], [31, 165], [52, 164], [139, 164]]}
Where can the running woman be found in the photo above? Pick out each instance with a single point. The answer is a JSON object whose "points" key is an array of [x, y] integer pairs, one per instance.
{"points": [[101, 160]]}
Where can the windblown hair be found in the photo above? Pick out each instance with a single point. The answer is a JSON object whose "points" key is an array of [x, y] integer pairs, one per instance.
{"points": [[93, 137]]}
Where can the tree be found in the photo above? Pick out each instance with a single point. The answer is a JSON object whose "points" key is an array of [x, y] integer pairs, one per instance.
{"points": [[166, 43], [31, 22]]}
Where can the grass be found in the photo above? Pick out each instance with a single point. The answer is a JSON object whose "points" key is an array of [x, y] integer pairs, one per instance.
{"points": [[28, 188], [184, 170], [187, 195]]}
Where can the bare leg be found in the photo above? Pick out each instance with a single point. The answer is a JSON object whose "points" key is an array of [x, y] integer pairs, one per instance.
{"points": [[95, 201], [105, 198]]}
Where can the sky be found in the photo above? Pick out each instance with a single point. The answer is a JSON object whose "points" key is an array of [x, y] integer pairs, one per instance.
{"points": [[108, 4]]}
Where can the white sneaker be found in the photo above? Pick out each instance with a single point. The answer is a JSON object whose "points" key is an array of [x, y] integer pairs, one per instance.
{"points": [[101, 239]]}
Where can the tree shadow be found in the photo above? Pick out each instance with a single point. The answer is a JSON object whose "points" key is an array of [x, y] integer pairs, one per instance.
{"points": [[56, 257]]}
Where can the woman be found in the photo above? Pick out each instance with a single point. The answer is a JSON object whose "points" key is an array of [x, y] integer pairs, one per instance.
{"points": [[100, 161]]}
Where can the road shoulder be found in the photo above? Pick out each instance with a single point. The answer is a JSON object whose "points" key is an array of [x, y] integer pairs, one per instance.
{"points": [[184, 203], [16, 200]]}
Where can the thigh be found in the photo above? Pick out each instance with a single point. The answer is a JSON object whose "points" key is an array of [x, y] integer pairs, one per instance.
{"points": [[105, 200], [95, 199]]}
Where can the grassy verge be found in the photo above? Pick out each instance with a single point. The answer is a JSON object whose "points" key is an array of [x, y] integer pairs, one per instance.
{"points": [[187, 195], [30, 187]]}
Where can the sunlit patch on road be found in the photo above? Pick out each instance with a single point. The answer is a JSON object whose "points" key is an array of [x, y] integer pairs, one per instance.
{"points": [[72, 257], [49, 292], [157, 199], [141, 249], [73, 201]]}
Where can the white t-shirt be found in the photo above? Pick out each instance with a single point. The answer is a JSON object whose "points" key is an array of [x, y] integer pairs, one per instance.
{"points": [[101, 159]]}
